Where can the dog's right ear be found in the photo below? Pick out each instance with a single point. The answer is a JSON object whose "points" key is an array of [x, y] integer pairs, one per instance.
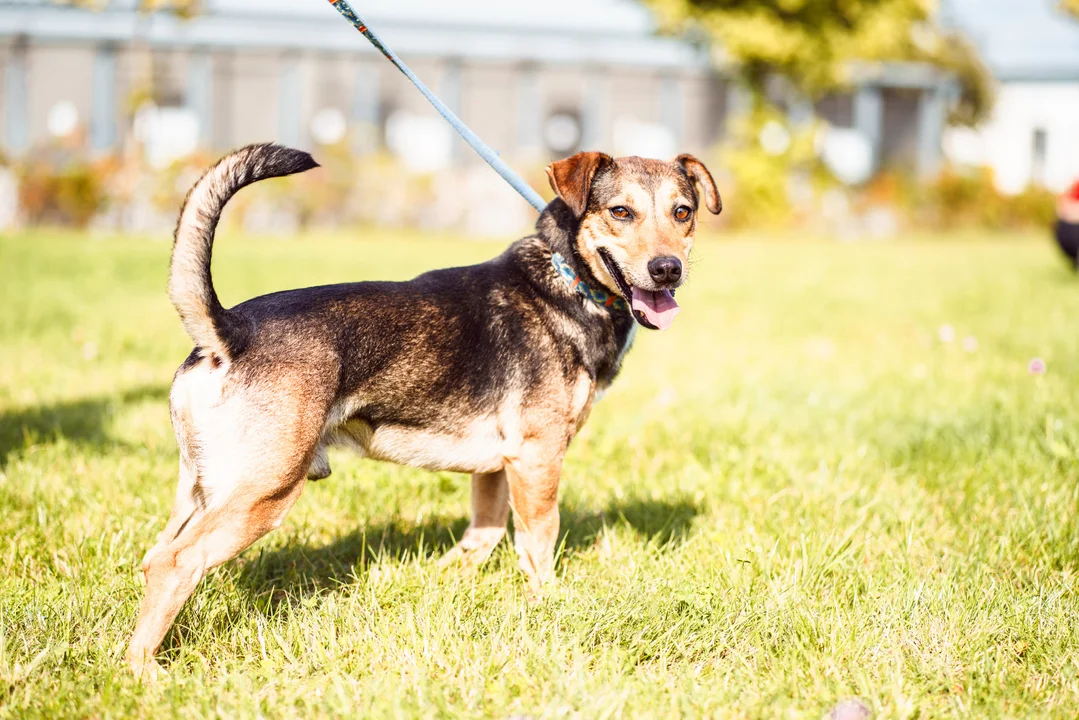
{"points": [[572, 178]]}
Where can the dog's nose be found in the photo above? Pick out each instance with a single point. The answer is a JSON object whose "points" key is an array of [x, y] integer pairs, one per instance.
{"points": [[665, 270]]}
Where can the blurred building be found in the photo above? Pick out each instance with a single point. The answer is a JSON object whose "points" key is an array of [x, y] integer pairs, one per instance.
{"points": [[1032, 48], [535, 80]]}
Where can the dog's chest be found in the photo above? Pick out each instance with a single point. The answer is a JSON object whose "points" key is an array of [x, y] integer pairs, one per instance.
{"points": [[631, 335], [609, 369]]}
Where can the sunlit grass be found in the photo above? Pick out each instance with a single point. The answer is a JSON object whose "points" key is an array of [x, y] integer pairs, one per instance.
{"points": [[809, 489]]}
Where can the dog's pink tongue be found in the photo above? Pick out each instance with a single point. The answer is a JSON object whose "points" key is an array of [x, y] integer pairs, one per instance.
{"points": [[658, 308]]}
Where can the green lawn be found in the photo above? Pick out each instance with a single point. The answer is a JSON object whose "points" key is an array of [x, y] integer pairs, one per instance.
{"points": [[799, 494]]}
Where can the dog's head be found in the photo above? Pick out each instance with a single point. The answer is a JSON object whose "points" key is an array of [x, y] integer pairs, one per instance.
{"points": [[637, 221]]}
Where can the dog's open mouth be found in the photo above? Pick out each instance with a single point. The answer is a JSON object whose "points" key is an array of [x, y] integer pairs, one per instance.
{"points": [[654, 310]]}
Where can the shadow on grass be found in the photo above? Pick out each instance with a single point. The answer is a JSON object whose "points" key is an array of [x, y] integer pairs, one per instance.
{"points": [[82, 421], [296, 571]]}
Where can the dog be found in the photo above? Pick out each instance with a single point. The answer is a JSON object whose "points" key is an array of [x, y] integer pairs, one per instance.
{"points": [[489, 370]]}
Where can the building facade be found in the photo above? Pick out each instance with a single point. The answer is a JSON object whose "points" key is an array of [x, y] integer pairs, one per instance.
{"points": [[1032, 49], [295, 72], [534, 81]]}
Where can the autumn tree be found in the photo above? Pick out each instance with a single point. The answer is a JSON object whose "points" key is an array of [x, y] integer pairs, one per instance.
{"points": [[801, 50], [817, 45]]}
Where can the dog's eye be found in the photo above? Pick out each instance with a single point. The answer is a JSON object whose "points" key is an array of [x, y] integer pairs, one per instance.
{"points": [[681, 212], [621, 213]]}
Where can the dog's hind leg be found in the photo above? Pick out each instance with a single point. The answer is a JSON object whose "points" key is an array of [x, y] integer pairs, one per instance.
{"points": [[188, 499], [490, 511], [209, 539], [184, 507]]}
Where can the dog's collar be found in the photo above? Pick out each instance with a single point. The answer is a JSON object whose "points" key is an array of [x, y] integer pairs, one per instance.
{"points": [[596, 295]]}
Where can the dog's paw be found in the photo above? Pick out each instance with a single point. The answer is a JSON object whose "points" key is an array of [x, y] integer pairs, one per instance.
{"points": [[144, 667], [541, 586], [463, 558], [147, 671], [539, 593], [474, 549], [454, 556]]}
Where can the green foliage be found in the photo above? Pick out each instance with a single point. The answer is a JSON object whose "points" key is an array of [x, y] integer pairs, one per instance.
{"points": [[796, 495], [977, 93], [760, 195], [183, 8], [814, 47], [812, 42], [318, 197], [959, 200], [67, 192], [324, 195], [817, 44], [971, 199]]}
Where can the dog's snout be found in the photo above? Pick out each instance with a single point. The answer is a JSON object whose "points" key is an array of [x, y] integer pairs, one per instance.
{"points": [[665, 270]]}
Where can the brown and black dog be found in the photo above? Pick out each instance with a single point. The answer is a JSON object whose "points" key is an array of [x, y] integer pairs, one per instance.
{"points": [[489, 369]]}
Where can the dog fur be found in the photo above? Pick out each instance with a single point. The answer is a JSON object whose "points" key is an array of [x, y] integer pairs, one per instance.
{"points": [[489, 370]]}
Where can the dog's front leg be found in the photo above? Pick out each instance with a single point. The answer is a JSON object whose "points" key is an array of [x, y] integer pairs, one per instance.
{"points": [[533, 485], [320, 466]]}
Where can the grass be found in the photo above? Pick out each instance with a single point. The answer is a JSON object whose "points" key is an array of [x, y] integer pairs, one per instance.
{"points": [[799, 494]]}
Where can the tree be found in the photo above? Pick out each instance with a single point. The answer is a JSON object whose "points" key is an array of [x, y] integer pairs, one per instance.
{"points": [[801, 50], [816, 45]]}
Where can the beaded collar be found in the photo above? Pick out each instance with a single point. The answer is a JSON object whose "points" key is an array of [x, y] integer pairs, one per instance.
{"points": [[596, 295]]}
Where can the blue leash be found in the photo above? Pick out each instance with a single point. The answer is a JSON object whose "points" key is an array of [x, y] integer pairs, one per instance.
{"points": [[507, 173]]}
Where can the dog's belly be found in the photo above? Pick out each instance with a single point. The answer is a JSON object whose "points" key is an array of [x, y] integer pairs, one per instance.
{"points": [[478, 448]]}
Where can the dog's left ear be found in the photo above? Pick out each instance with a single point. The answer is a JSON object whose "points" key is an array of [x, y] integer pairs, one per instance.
{"points": [[697, 171], [572, 178]]}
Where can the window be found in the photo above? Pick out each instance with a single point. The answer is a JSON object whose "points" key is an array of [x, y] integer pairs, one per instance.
{"points": [[1038, 158], [562, 132]]}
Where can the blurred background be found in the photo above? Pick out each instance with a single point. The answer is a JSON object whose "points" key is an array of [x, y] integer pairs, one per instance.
{"points": [[850, 469], [859, 119]]}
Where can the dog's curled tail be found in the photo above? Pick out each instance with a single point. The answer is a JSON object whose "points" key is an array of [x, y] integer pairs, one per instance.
{"points": [[191, 289]]}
